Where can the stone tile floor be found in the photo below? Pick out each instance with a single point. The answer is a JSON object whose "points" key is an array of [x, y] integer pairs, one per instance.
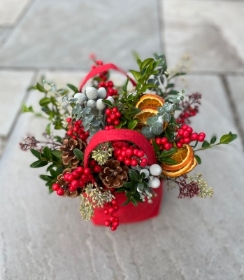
{"points": [[43, 237]]}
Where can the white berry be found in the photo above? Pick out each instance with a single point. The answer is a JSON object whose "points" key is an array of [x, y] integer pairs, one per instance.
{"points": [[91, 93], [110, 98], [155, 169], [100, 105], [91, 103], [145, 171], [154, 183], [81, 97], [102, 92]]}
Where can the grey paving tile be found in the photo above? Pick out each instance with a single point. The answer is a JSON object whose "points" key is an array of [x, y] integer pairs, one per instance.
{"points": [[10, 10], [61, 34], [236, 84], [210, 31], [191, 239], [3, 33], [13, 86]]}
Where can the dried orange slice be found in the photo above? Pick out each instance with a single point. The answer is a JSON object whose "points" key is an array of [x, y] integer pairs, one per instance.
{"points": [[145, 113], [182, 156], [151, 100], [176, 173]]}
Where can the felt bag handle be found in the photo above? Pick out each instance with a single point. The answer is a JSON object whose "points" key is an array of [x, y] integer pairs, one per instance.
{"points": [[120, 135], [103, 68]]}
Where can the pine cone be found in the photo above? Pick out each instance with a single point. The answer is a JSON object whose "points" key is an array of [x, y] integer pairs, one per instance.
{"points": [[67, 148], [113, 175]]}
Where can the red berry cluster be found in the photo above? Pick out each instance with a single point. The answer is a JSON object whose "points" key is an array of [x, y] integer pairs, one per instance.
{"points": [[113, 116], [109, 85], [186, 135], [189, 112], [130, 155], [74, 180], [76, 130], [94, 166], [104, 80], [163, 143], [110, 209]]}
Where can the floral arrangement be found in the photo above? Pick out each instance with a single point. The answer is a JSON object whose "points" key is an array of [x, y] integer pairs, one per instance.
{"points": [[119, 141]]}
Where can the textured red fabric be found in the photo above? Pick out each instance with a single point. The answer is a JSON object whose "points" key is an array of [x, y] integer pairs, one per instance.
{"points": [[128, 213], [102, 68]]}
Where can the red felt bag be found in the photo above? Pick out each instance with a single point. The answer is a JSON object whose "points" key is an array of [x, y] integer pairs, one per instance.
{"points": [[128, 213]]}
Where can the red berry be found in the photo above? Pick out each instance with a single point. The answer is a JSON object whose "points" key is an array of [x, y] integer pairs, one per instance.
{"points": [[186, 133], [114, 202], [112, 219], [66, 177], [167, 146], [194, 136], [110, 84], [116, 207], [164, 140], [105, 211], [158, 141], [60, 192], [118, 114], [107, 223], [97, 168], [179, 145], [115, 224], [74, 184], [134, 162], [87, 171], [108, 112], [189, 129], [129, 152], [55, 187], [201, 138], [180, 132], [140, 153], [186, 140], [127, 161], [68, 120], [143, 162], [202, 134], [113, 228], [116, 122], [184, 126], [115, 109]]}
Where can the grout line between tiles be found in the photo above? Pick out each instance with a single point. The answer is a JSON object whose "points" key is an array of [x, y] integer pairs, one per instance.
{"points": [[235, 114]]}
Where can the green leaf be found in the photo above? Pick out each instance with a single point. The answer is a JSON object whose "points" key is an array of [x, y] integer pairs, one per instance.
{"points": [[168, 160], [134, 176], [45, 177], [58, 139], [199, 161], [107, 102], [40, 88], [54, 173], [173, 92], [78, 153], [75, 89], [132, 124], [136, 74], [56, 154], [146, 62], [205, 144], [38, 163], [26, 109], [213, 140], [128, 185], [36, 153], [47, 153], [178, 74], [48, 129], [51, 166], [126, 202], [155, 146], [44, 101], [227, 138]]}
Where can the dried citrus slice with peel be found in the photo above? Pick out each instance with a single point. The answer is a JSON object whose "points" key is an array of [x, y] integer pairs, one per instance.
{"points": [[176, 173], [182, 157], [145, 113], [151, 100]]}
